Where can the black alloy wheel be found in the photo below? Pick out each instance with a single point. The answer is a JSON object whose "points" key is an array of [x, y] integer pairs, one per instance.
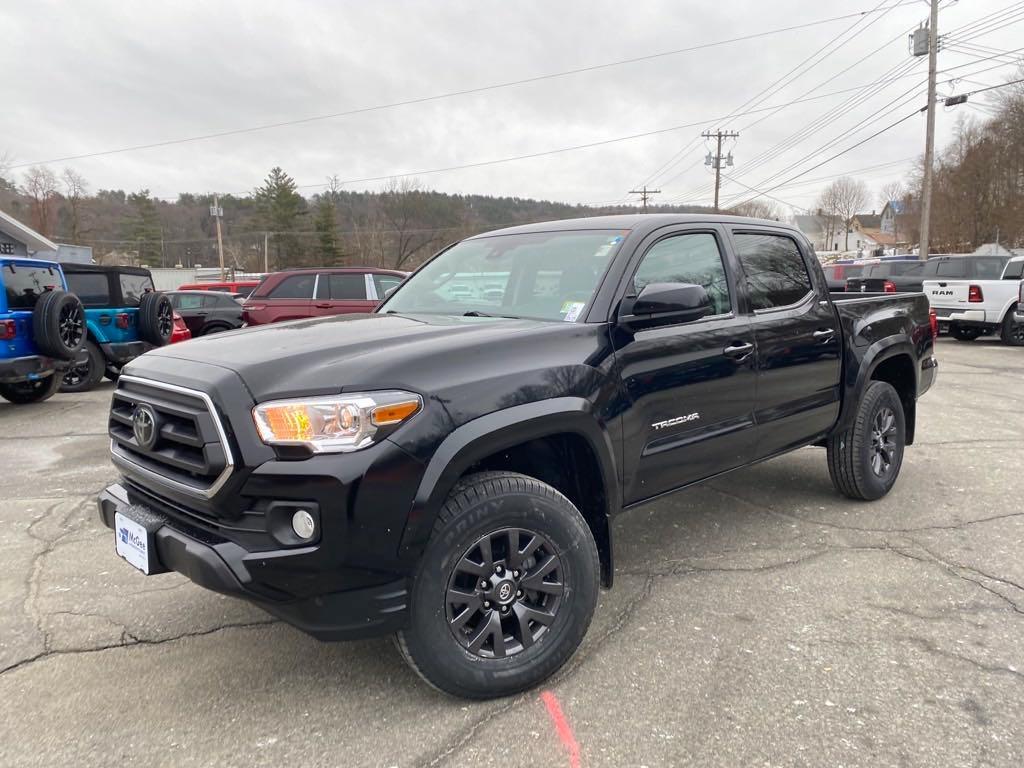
{"points": [[71, 324], [883, 441], [504, 593], [165, 319]]}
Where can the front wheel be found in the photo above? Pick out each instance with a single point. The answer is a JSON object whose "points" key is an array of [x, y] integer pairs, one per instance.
{"points": [[505, 589], [864, 460], [24, 392], [1012, 332], [964, 332]]}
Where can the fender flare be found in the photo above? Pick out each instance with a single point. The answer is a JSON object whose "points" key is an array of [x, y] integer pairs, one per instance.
{"points": [[1008, 309], [486, 435], [876, 354]]}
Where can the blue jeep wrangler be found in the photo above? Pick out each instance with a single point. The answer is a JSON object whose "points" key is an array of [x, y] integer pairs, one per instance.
{"points": [[42, 328], [124, 315]]}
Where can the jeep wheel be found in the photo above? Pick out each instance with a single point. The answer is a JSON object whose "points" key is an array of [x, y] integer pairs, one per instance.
{"points": [[58, 324], [964, 332], [156, 318], [83, 376], [505, 589], [1012, 332], [36, 391], [864, 460]]}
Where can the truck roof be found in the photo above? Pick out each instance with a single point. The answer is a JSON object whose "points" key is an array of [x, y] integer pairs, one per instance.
{"points": [[633, 221]]}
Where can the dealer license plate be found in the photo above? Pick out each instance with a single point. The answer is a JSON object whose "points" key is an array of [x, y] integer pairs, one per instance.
{"points": [[132, 542]]}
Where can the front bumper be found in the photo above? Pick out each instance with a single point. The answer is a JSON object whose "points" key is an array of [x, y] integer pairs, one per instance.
{"points": [[224, 566], [29, 368], [120, 353]]}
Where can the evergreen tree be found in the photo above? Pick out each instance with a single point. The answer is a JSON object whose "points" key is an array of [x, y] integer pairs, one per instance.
{"points": [[327, 230], [143, 227], [279, 208]]}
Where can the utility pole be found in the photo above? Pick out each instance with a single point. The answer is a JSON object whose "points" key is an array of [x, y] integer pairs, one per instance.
{"points": [[715, 161], [929, 137], [266, 252], [218, 213], [644, 193]]}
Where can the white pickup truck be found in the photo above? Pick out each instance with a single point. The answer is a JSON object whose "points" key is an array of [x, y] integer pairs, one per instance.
{"points": [[972, 308]]}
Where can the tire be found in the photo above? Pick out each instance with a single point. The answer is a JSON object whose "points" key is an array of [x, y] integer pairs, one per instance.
{"points": [[156, 318], [24, 392], [1012, 332], [58, 324], [964, 333], [555, 543], [112, 372], [858, 469], [84, 376]]}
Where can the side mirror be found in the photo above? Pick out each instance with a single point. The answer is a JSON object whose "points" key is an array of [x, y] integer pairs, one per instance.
{"points": [[675, 302]]}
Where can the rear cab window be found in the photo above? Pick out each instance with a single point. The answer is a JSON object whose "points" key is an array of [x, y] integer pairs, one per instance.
{"points": [[775, 270], [1014, 270], [24, 283]]}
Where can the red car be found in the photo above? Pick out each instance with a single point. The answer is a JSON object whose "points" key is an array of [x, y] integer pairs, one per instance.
{"points": [[315, 292], [181, 331], [244, 287]]}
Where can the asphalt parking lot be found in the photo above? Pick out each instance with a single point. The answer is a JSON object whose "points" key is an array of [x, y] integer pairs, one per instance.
{"points": [[757, 620]]}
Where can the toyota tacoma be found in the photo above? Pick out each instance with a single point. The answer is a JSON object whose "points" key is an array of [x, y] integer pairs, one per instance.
{"points": [[446, 468]]}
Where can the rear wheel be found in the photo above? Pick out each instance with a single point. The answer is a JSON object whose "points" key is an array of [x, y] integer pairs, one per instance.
{"points": [[83, 376], [505, 589], [964, 332], [1012, 332], [35, 391], [864, 460]]}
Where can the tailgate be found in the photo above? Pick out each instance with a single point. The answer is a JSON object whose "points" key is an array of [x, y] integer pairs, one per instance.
{"points": [[946, 293]]}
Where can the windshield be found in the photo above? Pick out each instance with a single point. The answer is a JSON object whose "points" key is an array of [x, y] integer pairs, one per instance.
{"points": [[542, 275]]}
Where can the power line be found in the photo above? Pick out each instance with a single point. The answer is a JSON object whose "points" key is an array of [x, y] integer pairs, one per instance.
{"points": [[464, 91]]}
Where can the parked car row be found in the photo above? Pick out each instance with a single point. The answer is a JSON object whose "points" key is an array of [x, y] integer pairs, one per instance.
{"points": [[972, 294]]}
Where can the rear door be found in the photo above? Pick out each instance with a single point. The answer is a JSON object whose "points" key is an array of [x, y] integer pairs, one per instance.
{"points": [[342, 293], [798, 340], [689, 386]]}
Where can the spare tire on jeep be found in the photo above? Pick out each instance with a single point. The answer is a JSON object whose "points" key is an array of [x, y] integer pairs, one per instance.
{"points": [[156, 318], [58, 324]]}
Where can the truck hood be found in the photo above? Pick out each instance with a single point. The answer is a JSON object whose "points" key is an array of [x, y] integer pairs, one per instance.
{"points": [[374, 351]]}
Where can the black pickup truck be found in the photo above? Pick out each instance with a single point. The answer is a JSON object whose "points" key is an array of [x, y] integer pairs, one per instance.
{"points": [[446, 468]]}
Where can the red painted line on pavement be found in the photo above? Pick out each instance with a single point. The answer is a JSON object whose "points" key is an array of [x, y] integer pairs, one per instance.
{"points": [[562, 728]]}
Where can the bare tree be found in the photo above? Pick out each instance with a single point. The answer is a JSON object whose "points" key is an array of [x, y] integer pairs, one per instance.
{"points": [[6, 161], [757, 209], [827, 213], [891, 192], [41, 185], [75, 190], [403, 206], [849, 196]]}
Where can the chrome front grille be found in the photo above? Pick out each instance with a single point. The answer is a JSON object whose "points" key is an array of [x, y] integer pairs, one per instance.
{"points": [[170, 434]]}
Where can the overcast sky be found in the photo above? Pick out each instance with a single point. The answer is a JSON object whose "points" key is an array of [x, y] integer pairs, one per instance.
{"points": [[93, 76]]}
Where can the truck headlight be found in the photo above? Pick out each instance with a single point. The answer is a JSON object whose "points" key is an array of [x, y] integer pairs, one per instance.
{"points": [[334, 424]]}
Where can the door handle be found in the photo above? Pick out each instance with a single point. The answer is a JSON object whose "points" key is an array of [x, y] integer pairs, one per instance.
{"points": [[739, 350], [824, 334], [322, 306]]}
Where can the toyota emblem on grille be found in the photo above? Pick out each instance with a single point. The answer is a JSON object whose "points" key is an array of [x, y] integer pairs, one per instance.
{"points": [[144, 426]]}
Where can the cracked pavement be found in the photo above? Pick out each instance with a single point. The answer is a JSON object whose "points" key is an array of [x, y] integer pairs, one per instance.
{"points": [[758, 619]]}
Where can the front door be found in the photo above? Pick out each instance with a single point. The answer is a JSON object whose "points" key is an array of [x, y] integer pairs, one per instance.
{"points": [[689, 387], [798, 342]]}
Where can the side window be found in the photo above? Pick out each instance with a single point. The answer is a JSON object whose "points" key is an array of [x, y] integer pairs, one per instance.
{"points": [[1014, 270], [385, 283], [187, 301], [133, 286], [951, 268], [688, 258], [775, 270], [92, 288], [347, 286], [989, 269], [294, 287]]}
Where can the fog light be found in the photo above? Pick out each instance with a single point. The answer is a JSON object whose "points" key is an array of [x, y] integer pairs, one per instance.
{"points": [[303, 524]]}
